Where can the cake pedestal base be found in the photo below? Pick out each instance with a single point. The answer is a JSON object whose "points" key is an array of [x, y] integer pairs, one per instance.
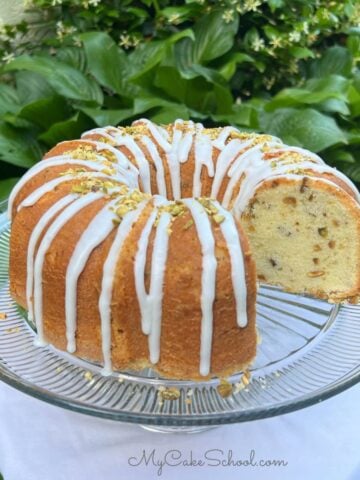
{"points": [[165, 429]]}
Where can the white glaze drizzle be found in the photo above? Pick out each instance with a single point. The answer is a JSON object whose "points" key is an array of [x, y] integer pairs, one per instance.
{"points": [[94, 234], [238, 276], [172, 157], [158, 266], [159, 134], [287, 148], [97, 165], [103, 131], [151, 303], [185, 147], [33, 241], [224, 134], [248, 164], [109, 272], [227, 155], [208, 280], [52, 184], [45, 244], [139, 268], [142, 162], [203, 156], [139, 271], [154, 154], [51, 162], [122, 160]]}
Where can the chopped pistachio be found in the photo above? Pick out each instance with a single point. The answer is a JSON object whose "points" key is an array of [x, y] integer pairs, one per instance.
{"points": [[78, 188], [12, 330], [83, 152], [246, 378], [169, 393], [122, 210], [88, 375], [108, 171], [218, 218], [323, 232], [225, 388], [317, 273], [72, 171], [188, 224]]}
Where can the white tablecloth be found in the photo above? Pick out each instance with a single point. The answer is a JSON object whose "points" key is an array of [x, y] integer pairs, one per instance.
{"points": [[42, 442]]}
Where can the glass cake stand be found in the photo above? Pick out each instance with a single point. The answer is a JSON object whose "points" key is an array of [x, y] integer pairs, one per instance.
{"points": [[309, 351]]}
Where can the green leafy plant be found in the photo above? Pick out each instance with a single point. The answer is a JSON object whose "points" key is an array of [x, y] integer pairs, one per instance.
{"points": [[289, 68]]}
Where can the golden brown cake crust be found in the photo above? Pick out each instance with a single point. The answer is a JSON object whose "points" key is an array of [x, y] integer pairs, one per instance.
{"points": [[233, 348]]}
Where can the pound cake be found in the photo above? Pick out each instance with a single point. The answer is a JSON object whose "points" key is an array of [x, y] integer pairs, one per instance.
{"points": [[126, 247]]}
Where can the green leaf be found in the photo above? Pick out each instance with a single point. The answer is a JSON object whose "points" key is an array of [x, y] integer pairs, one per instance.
{"points": [[314, 91], [301, 52], [169, 115], [353, 136], [352, 171], [65, 80], [331, 84], [180, 13], [213, 37], [9, 99], [354, 100], [243, 115], [356, 81], [336, 60], [224, 99], [270, 31], [16, 121], [170, 81], [334, 105], [353, 44], [186, 33], [103, 118], [275, 4], [333, 157], [18, 148], [143, 104], [31, 87], [138, 12], [73, 56], [212, 40], [5, 188], [66, 130], [46, 111], [209, 74], [145, 57], [107, 62], [307, 128], [189, 69], [228, 69]]}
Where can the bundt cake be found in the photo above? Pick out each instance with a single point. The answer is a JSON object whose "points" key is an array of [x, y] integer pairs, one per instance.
{"points": [[126, 247]]}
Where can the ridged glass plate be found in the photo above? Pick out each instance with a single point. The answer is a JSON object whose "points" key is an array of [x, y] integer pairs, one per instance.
{"points": [[309, 350]]}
